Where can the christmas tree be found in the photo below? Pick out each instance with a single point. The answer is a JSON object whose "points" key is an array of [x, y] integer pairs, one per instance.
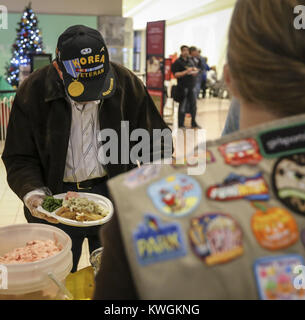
{"points": [[28, 41]]}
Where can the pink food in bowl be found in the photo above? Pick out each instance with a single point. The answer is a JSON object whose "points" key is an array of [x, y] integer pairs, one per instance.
{"points": [[33, 251]]}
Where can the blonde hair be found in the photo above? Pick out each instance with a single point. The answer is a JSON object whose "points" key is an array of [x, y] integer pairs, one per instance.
{"points": [[266, 55]]}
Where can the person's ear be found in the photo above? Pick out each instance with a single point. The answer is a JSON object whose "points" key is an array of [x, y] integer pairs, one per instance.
{"points": [[55, 64], [230, 81]]}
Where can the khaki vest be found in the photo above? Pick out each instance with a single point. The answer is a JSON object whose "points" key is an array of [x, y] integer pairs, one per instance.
{"points": [[234, 232]]}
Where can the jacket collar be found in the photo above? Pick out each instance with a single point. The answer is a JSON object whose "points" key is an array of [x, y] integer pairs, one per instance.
{"points": [[54, 86]]}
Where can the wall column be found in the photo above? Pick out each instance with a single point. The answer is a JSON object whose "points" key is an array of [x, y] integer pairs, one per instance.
{"points": [[118, 34]]}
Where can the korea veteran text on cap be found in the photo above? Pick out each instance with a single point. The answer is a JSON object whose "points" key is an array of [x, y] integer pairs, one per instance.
{"points": [[84, 61]]}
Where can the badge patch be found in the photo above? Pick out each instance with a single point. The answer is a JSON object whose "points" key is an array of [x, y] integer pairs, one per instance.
{"points": [[75, 67], [282, 141], [176, 195], [237, 187], [155, 241], [274, 228], [288, 181], [75, 88], [241, 152], [142, 175], [275, 277], [216, 238], [86, 51]]}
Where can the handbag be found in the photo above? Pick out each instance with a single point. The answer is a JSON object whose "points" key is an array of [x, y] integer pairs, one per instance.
{"points": [[177, 93]]}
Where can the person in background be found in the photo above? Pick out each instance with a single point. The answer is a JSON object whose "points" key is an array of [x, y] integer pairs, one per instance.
{"points": [[206, 68], [185, 71], [212, 82], [173, 58], [212, 76], [237, 249], [52, 142], [194, 53]]}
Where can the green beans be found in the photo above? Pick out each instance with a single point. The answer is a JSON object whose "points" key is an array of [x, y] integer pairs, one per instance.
{"points": [[51, 204]]}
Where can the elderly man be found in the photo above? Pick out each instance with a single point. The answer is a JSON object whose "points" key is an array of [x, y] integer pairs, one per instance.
{"points": [[52, 141]]}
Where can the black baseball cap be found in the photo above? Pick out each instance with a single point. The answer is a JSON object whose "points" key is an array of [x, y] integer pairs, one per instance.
{"points": [[83, 58]]}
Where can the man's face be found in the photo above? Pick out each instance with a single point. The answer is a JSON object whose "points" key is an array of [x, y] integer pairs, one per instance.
{"points": [[194, 53], [185, 52]]}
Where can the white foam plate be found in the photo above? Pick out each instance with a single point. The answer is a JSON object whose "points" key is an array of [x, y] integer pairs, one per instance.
{"points": [[101, 200]]}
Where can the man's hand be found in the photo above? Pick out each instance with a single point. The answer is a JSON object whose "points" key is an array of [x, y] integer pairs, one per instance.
{"points": [[195, 71], [33, 202], [189, 71], [192, 71]]}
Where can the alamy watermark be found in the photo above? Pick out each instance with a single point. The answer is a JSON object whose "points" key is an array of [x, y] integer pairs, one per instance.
{"points": [[299, 21], [3, 277], [140, 146], [3, 18]]}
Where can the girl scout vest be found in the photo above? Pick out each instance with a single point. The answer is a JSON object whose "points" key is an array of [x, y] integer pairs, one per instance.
{"points": [[235, 232]]}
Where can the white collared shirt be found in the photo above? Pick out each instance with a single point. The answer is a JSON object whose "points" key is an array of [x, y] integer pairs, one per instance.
{"points": [[82, 154], [81, 162]]}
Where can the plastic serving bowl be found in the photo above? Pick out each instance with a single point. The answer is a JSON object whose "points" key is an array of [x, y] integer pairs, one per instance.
{"points": [[31, 280]]}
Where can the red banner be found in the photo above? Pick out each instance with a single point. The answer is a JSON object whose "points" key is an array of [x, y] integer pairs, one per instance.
{"points": [[155, 34], [167, 69], [155, 45], [154, 71]]}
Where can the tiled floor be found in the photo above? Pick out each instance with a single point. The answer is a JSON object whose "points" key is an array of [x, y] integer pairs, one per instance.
{"points": [[211, 116]]}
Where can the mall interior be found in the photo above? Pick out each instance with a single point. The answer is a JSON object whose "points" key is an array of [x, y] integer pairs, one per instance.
{"points": [[183, 27], [132, 30]]}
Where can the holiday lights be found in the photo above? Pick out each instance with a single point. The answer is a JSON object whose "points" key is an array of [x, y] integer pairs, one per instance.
{"points": [[28, 41]]}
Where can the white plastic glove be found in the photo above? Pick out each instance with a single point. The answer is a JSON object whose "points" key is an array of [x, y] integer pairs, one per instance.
{"points": [[34, 199]]}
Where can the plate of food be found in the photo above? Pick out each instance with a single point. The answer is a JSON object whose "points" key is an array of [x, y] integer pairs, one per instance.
{"points": [[78, 209]]}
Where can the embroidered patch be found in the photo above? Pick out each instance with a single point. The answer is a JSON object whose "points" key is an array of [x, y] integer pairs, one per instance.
{"points": [[275, 277], [240, 187], [216, 238], [241, 152], [274, 228], [288, 180], [176, 195], [282, 141], [155, 241], [142, 175], [76, 67], [86, 51]]}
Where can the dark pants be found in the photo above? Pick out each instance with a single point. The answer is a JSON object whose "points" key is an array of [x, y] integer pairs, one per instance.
{"points": [[204, 87], [78, 234], [188, 105]]}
